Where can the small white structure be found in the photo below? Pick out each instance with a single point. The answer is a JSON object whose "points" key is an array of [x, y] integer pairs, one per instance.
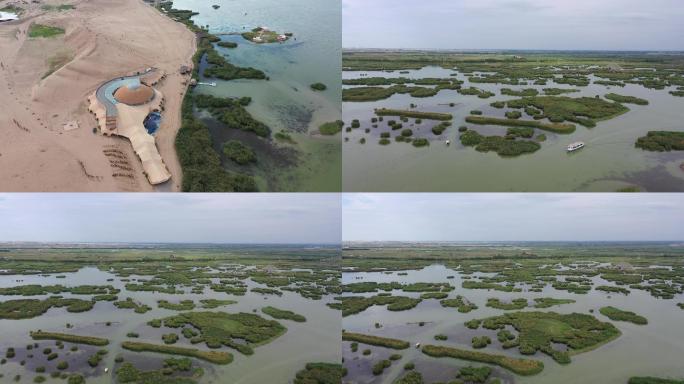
{"points": [[257, 39], [575, 146], [282, 37], [7, 16]]}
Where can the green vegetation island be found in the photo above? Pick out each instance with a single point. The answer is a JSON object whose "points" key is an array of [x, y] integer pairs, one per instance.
{"points": [[144, 321], [551, 303]]}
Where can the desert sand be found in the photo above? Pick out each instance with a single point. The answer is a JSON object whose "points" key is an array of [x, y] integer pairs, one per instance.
{"points": [[40, 149]]}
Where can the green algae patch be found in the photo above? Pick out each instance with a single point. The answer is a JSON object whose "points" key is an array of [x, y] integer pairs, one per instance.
{"points": [[661, 141], [77, 339], [414, 114], [283, 314], [410, 378], [626, 99], [40, 30], [523, 367], [221, 328], [616, 314], [320, 373], [216, 357], [562, 128], [537, 330], [375, 340]]}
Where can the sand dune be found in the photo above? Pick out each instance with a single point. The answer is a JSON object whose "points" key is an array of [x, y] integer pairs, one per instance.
{"points": [[44, 84]]}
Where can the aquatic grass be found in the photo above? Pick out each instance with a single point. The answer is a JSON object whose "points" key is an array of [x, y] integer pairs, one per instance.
{"points": [[77, 339], [523, 367], [375, 340], [562, 128], [216, 357]]}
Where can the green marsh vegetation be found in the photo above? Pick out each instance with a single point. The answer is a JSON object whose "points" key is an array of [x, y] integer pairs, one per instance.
{"points": [[129, 303], [585, 111], [283, 314], [617, 314], [479, 342], [661, 141], [351, 305], [653, 380], [474, 374], [626, 99], [77, 339], [320, 373], [227, 44], [474, 91], [375, 340], [563, 128], [318, 87], [40, 30], [559, 91], [547, 302], [413, 114], [379, 367], [460, 303], [527, 92], [221, 328], [515, 304], [503, 146], [331, 128], [201, 163], [216, 357], [537, 330], [239, 152], [29, 308], [232, 113], [523, 367]]}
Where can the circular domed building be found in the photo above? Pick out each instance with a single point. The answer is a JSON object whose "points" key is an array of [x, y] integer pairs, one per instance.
{"points": [[134, 94]]}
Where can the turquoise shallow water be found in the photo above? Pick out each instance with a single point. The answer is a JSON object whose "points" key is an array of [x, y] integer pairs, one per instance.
{"points": [[285, 101]]}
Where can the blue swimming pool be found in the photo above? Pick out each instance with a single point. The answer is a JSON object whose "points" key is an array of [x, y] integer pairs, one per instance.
{"points": [[151, 122]]}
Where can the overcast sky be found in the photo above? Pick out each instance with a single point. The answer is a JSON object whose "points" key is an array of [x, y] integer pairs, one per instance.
{"points": [[514, 24], [205, 218], [512, 217]]}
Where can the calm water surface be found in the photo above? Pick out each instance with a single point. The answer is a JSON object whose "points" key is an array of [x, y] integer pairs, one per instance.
{"points": [[277, 362], [609, 161], [654, 349], [285, 102]]}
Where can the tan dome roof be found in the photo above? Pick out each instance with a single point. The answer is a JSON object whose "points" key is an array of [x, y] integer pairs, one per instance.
{"points": [[134, 94]]}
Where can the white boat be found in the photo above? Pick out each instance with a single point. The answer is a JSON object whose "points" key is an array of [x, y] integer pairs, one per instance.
{"points": [[448, 142], [417, 345], [575, 146]]}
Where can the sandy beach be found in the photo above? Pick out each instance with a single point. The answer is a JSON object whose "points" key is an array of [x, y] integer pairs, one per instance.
{"points": [[48, 143]]}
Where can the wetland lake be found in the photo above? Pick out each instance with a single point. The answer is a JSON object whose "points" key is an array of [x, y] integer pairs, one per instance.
{"points": [[290, 153], [197, 317], [467, 87], [444, 314]]}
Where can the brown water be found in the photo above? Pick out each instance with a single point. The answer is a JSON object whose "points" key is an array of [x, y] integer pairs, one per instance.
{"points": [[654, 349], [609, 161]]}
